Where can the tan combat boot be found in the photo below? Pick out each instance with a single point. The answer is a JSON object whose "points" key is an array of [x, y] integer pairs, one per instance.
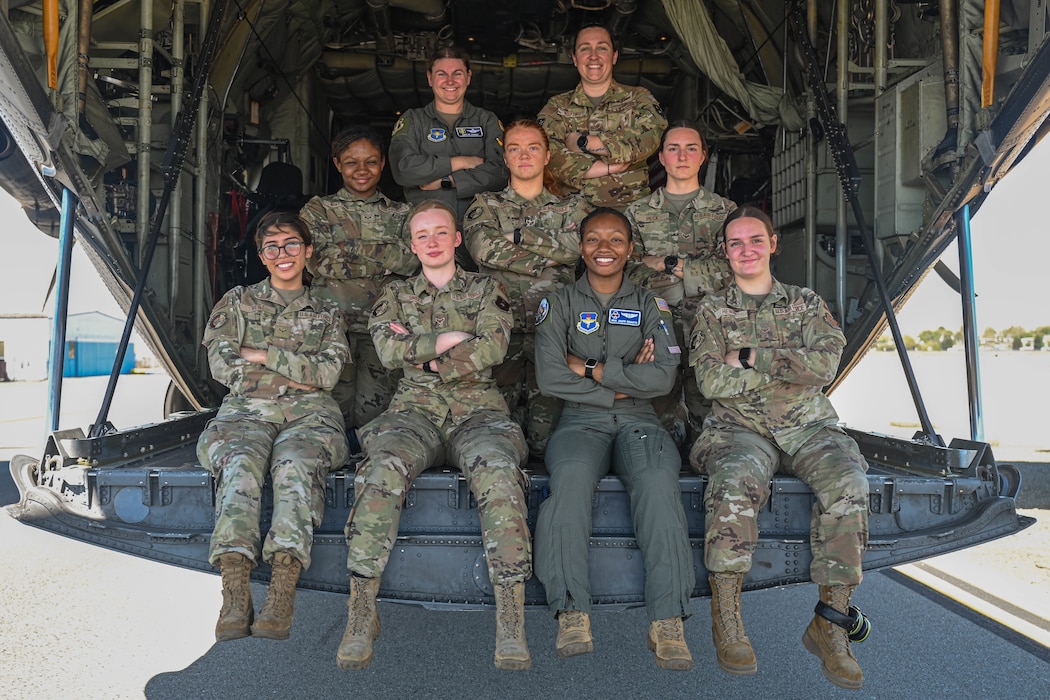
{"points": [[574, 634], [830, 643], [275, 620], [362, 625], [732, 646], [512, 650], [667, 639], [235, 617]]}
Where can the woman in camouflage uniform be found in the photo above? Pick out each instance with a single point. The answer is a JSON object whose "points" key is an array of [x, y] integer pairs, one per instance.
{"points": [[526, 238], [681, 259], [359, 245], [280, 351]]}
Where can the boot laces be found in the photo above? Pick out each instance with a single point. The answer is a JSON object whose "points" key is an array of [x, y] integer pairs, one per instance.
{"points": [[573, 619], [360, 610], [280, 596], [507, 612], [670, 630], [838, 637], [235, 590], [728, 615]]}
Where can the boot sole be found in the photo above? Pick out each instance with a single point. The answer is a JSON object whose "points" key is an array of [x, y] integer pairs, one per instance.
{"points": [[670, 664], [574, 649], [279, 635], [230, 635], [813, 648], [514, 664], [738, 670], [353, 664]]}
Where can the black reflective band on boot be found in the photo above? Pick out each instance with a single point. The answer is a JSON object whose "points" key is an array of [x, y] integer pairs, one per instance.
{"points": [[858, 626]]}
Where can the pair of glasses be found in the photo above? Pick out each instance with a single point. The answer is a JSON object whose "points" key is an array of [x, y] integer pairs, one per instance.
{"points": [[291, 249]]}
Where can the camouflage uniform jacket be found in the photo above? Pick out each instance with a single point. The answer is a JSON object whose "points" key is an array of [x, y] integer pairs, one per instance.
{"points": [[694, 235], [357, 243], [305, 341], [421, 147], [463, 383], [795, 349], [628, 121], [548, 226], [573, 321]]}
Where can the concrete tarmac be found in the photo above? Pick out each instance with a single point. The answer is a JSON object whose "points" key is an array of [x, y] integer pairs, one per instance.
{"points": [[79, 621]]}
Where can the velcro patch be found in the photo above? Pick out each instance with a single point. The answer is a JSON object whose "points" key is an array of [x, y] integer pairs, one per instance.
{"points": [[470, 132], [625, 317]]}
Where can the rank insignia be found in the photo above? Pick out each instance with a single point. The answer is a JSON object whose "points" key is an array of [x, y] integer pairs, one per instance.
{"points": [[588, 322], [437, 135]]}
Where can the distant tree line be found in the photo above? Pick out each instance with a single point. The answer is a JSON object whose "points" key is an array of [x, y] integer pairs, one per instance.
{"points": [[1012, 338]]}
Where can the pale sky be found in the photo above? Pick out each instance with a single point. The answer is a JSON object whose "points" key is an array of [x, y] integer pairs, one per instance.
{"points": [[1011, 249]]}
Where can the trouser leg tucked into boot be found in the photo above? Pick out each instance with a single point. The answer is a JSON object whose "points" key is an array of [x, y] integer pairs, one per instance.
{"points": [[574, 634], [830, 643], [667, 639], [512, 650], [275, 619], [362, 625], [235, 617], [732, 646]]}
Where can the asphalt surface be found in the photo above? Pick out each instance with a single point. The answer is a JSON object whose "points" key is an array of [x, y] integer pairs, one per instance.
{"points": [[80, 621]]}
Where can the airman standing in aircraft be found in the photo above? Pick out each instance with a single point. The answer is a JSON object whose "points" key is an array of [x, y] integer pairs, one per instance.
{"points": [[280, 351], [448, 150], [679, 242], [359, 242], [603, 346], [763, 351], [526, 238], [602, 132], [446, 328]]}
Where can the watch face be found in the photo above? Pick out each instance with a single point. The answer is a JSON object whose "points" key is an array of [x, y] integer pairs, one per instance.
{"points": [[582, 142]]}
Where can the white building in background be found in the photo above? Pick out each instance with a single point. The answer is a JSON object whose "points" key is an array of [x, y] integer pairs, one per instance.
{"points": [[25, 340], [91, 341]]}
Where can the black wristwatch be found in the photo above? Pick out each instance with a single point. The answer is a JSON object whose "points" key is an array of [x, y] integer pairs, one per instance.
{"points": [[588, 367], [429, 368], [446, 182], [517, 236], [744, 355], [581, 143], [670, 263]]}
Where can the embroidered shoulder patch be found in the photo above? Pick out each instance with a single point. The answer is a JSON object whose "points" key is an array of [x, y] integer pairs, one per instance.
{"points": [[218, 320], [543, 311], [380, 309]]}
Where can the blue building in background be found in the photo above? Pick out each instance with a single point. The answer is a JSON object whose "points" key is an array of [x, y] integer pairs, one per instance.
{"points": [[91, 345]]}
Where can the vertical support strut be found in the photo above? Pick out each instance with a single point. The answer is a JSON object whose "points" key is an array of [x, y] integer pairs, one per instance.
{"points": [[849, 179], [969, 313], [57, 360]]}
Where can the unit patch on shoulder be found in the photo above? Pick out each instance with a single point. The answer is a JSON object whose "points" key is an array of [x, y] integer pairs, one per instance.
{"points": [[380, 309], [470, 132], [588, 322], [218, 320], [437, 135], [399, 126], [502, 303], [543, 311], [474, 213], [625, 317]]}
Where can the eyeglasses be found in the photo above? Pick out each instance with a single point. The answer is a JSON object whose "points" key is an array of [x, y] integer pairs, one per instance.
{"points": [[291, 249]]}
